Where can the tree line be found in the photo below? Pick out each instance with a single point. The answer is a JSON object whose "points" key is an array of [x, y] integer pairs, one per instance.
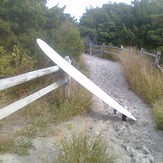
{"points": [[139, 24], [22, 22]]}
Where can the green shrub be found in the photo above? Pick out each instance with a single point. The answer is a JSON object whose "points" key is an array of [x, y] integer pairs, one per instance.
{"points": [[68, 40], [15, 62]]}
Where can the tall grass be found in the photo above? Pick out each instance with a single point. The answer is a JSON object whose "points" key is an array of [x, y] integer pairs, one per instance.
{"points": [[145, 80], [84, 149], [41, 114], [38, 116], [158, 113], [78, 103]]}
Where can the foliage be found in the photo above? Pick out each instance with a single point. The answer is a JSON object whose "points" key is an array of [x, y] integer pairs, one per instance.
{"points": [[6, 144], [145, 80], [78, 103], [22, 145], [68, 40], [19, 145], [139, 24], [83, 148], [22, 22], [14, 62]]}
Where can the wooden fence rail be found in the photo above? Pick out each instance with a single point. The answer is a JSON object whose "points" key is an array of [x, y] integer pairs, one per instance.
{"points": [[13, 81], [157, 58], [103, 49]]}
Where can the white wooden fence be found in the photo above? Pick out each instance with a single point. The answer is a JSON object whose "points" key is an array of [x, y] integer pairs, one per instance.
{"points": [[16, 80], [101, 50]]}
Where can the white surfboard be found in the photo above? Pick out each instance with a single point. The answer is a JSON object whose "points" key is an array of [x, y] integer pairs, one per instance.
{"points": [[80, 78]]}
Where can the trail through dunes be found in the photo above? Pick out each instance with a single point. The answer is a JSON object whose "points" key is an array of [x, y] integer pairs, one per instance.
{"points": [[140, 141], [133, 141]]}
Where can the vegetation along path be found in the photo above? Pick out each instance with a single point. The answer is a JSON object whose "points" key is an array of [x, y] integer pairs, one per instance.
{"points": [[133, 141], [139, 141]]}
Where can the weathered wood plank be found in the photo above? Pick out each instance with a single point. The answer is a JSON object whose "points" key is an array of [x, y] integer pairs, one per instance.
{"points": [[13, 81], [159, 67], [96, 46], [153, 55], [114, 47], [109, 52], [6, 111], [96, 50], [68, 79]]}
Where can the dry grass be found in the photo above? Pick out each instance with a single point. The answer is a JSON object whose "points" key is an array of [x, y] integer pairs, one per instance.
{"points": [[158, 113], [38, 116], [144, 79], [84, 149]]}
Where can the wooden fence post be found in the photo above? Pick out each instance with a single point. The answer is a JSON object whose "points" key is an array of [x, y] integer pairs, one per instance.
{"points": [[141, 52], [90, 48], [103, 49], [158, 55], [67, 77]]}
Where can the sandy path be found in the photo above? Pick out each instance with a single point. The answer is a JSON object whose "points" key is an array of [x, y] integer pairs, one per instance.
{"points": [[136, 142], [139, 140]]}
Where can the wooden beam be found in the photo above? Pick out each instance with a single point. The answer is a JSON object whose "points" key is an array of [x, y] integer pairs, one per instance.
{"points": [[150, 54], [6, 111], [68, 79], [13, 81]]}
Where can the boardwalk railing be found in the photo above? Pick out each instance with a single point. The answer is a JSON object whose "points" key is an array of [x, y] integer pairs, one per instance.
{"points": [[13, 81], [102, 50]]}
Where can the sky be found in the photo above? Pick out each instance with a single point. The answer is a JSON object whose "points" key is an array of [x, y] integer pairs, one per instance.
{"points": [[76, 8]]}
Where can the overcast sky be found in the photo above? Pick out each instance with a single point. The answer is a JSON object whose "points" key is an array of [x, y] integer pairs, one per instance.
{"points": [[77, 7]]}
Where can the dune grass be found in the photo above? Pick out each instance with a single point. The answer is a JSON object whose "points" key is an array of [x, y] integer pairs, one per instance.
{"points": [[52, 109], [37, 117], [145, 80], [158, 113], [84, 149]]}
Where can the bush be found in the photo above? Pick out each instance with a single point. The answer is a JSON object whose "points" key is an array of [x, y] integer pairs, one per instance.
{"points": [[15, 62], [68, 40]]}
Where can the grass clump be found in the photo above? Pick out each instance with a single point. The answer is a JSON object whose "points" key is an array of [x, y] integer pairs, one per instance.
{"points": [[78, 103], [158, 113], [19, 145], [145, 80], [84, 149], [21, 141], [22, 146], [6, 143], [38, 126]]}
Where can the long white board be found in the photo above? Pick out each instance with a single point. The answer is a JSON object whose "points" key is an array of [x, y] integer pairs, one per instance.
{"points": [[83, 80]]}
